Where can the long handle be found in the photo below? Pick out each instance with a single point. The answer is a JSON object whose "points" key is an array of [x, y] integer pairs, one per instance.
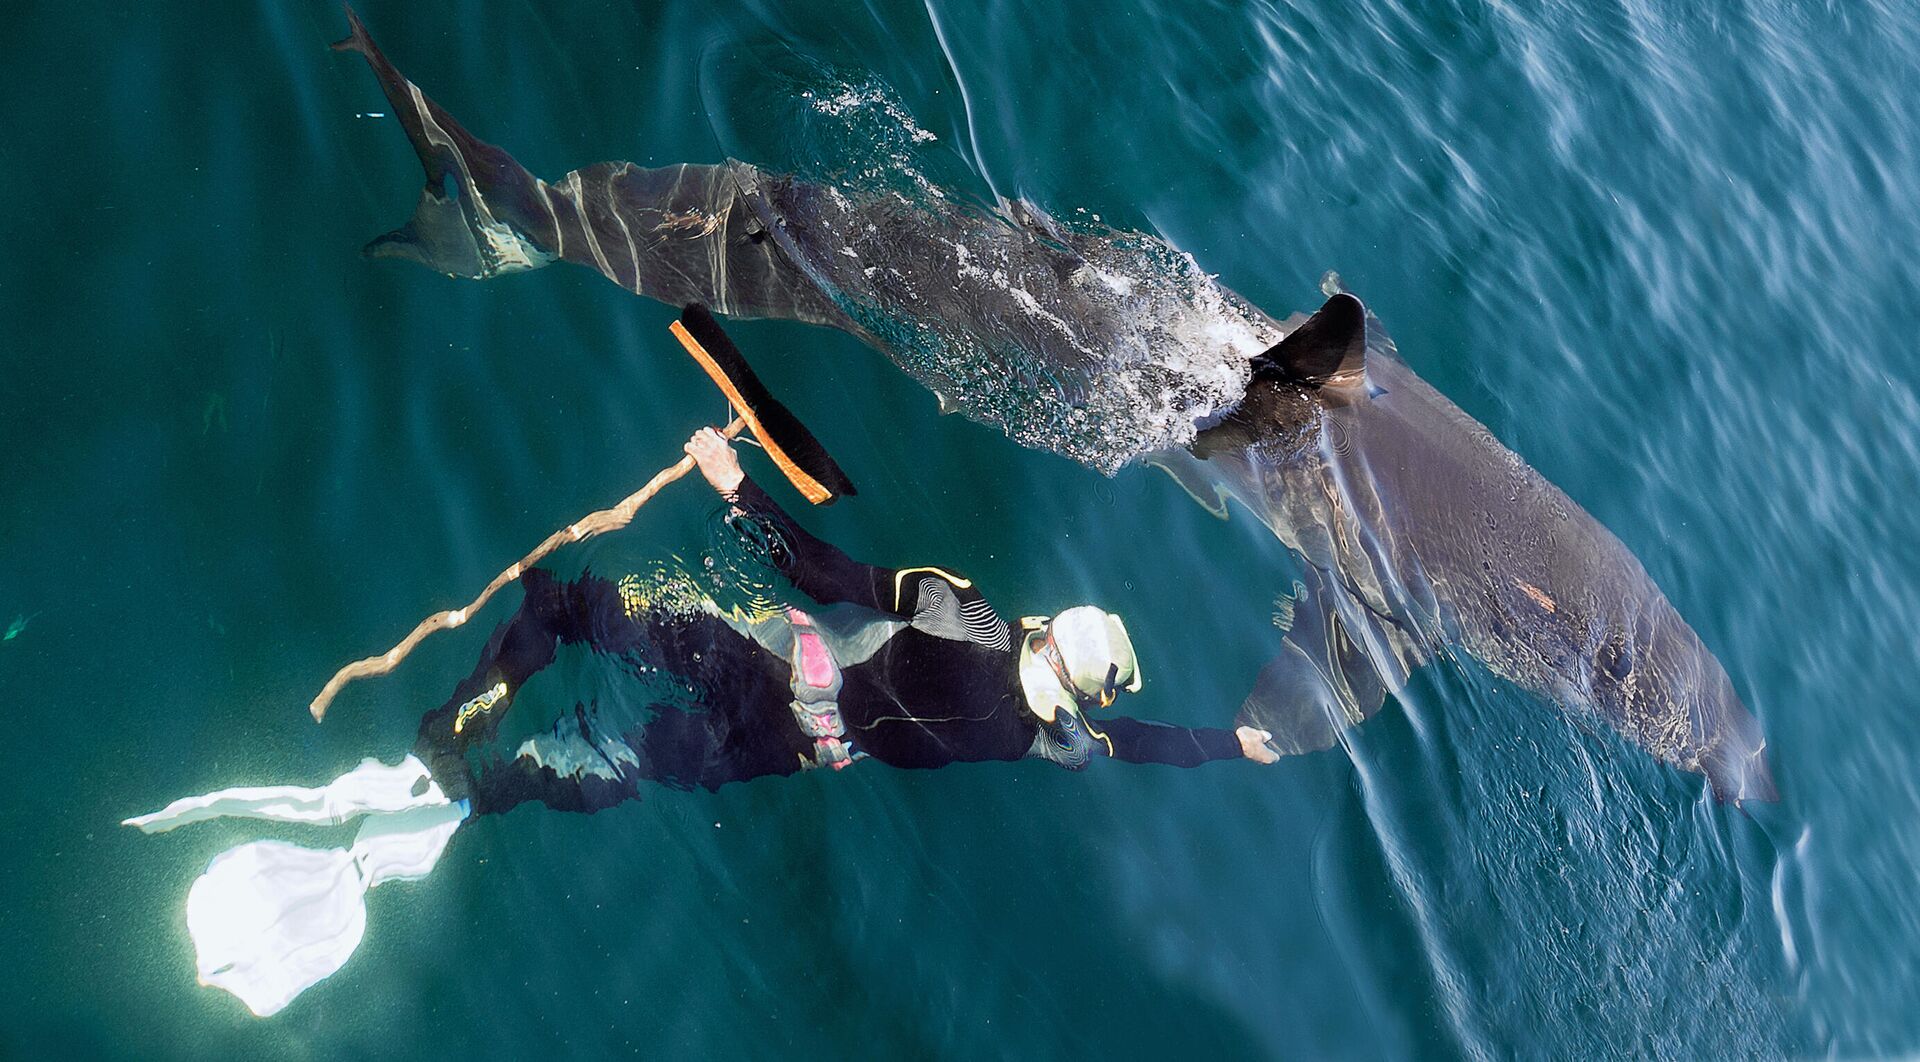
{"points": [[586, 527]]}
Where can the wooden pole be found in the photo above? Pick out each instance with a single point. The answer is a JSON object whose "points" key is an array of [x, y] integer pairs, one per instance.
{"points": [[586, 527]]}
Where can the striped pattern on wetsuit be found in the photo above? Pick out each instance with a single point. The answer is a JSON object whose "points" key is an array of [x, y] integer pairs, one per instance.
{"points": [[959, 614]]}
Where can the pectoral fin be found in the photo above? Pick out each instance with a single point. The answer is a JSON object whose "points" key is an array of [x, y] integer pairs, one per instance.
{"points": [[1185, 470], [1335, 669]]}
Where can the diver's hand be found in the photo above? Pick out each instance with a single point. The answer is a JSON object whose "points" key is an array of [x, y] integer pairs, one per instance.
{"points": [[1253, 745], [713, 452]]}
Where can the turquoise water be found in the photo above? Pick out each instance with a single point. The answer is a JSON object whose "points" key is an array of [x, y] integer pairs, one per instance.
{"points": [[1661, 253]]}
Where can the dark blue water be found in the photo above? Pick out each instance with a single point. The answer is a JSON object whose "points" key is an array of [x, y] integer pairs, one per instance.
{"points": [[1661, 251]]}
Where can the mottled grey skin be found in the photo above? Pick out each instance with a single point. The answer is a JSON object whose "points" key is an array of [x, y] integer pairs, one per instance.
{"points": [[1059, 335], [1418, 528], [1422, 530]]}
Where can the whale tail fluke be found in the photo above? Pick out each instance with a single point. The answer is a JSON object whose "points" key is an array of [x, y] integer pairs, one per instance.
{"points": [[357, 38], [480, 213], [681, 233]]}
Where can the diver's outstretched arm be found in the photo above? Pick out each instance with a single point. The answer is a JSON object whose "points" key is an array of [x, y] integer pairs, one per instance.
{"points": [[1141, 741]]}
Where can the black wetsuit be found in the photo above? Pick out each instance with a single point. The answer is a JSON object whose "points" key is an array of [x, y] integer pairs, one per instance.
{"points": [[929, 677]]}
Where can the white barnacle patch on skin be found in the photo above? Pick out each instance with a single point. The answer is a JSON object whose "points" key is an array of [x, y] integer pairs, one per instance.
{"points": [[1114, 282], [508, 252], [999, 279]]}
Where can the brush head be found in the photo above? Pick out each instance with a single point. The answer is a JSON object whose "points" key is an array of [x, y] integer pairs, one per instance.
{"points": [[798, 454]]}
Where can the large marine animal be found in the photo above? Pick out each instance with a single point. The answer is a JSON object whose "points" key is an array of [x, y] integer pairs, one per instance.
{"points": [[1418, 530]]}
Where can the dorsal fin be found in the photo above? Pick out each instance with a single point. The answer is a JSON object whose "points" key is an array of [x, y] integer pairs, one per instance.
{"points": [[1330, 346]]}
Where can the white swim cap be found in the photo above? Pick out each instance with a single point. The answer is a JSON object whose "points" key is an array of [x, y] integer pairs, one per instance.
{"points": [[1083, 653]]}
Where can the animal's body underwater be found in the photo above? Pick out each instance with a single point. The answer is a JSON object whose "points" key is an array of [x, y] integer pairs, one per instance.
{"points": [[1418, 529]]}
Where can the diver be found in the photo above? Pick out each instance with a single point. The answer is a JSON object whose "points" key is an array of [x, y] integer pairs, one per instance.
{"points": [[910, 667]]}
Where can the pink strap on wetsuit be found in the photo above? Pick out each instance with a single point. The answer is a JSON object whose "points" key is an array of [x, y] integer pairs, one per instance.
{"points": [[816, 688], [816, 666]]}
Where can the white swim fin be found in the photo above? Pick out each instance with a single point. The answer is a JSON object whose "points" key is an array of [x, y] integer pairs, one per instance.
{"points": [[270, 919], [372, 786]]}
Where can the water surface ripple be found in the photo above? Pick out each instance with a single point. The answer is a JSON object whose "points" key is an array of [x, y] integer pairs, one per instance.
{"points": [[1662, 250]]}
